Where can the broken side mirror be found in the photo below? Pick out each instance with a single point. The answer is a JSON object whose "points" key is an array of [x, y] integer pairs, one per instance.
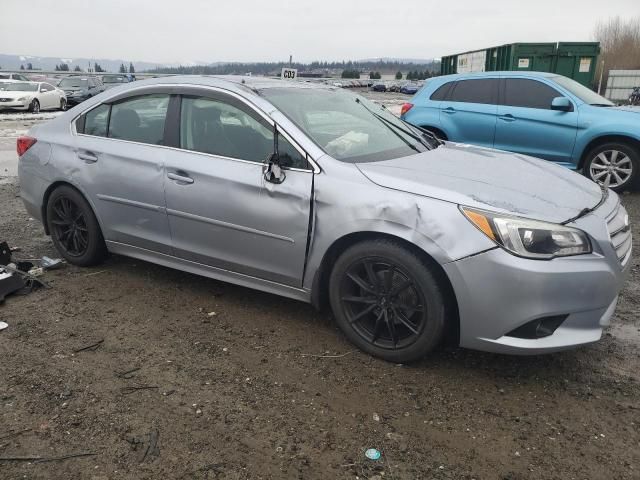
{"points": [[273, 172]]}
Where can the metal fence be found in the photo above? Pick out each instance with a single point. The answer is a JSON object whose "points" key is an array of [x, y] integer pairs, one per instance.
{"points": [[621, 83]]}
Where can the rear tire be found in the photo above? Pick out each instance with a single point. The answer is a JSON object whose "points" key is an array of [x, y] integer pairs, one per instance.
{"points": [[74, 228], [387, 300], [63, 105], [617, 161]]}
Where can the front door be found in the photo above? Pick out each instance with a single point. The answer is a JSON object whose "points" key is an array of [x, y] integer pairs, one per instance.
{"points": [[222, 212], [526, 123]]}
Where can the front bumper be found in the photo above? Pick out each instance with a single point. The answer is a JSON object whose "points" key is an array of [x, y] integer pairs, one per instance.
{"points": [[14, 105], [498, 292]]}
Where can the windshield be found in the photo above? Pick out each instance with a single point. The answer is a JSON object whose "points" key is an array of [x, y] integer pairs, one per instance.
{"points": [[114, 79], [73, 83], [348, 127], [19, 87], [582, 92]]}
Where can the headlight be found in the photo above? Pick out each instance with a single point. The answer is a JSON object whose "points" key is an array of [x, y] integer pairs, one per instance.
{"points": [[529, 238], [22, 99]]}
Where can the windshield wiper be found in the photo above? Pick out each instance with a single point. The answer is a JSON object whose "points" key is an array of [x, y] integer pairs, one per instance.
{"points": [[390, 123], [601, 105]]}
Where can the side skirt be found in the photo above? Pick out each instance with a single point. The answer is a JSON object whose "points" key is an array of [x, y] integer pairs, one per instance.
{"points": [[208, 271]]}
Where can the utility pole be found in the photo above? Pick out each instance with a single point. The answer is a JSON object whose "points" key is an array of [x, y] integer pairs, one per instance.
{"points": [[291, 60]]}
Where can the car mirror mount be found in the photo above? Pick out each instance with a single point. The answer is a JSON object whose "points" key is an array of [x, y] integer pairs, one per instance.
{"points": [[561, 104], [273, 172]]}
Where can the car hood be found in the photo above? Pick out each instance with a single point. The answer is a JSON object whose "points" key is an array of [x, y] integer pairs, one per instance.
{"points": [[489, 179], [626, 108], [14, 95]]}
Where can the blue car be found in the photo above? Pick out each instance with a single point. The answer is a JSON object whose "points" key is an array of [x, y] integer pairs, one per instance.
{"points": [[544, 115], [409, 88]]}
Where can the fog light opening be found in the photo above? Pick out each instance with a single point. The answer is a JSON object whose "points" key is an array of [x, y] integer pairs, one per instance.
{"points": [[539, 328]]}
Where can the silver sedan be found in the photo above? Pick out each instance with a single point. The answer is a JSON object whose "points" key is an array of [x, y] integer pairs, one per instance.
{"points": [[317, 194]]}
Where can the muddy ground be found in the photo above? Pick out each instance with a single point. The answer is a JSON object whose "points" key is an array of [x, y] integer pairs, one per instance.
{"points": [[231, 383]]}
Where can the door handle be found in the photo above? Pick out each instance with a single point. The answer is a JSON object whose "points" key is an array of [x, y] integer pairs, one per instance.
{"points": [[88, 157], [507, 118], [180, 178], [449, 110]]}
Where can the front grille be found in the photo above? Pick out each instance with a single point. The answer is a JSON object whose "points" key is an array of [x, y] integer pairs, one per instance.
{"points": [[620, 233], [5, 99]]}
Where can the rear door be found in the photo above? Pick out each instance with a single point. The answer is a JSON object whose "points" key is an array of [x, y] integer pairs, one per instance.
{"points": [[222, 212], [526, 124], [468, 114], [120, 162]]}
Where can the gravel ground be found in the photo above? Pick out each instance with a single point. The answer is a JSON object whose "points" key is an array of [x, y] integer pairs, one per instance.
{"points": [[230, 383]]}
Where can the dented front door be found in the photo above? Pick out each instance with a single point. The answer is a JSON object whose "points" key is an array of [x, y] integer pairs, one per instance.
{"points": [[223, 213]]}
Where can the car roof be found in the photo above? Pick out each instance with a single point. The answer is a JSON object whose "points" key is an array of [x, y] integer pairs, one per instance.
{"points": [[507, 73], [237, 83]]}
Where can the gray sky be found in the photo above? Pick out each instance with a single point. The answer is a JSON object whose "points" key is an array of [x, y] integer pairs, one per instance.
{"points": [[270, 30]]}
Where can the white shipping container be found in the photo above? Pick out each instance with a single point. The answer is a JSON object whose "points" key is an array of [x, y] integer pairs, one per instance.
{"points": [[621, 83], [472, 62]]}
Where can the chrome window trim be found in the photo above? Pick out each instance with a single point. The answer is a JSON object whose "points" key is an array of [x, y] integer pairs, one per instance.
{"points": [[315, 168]]}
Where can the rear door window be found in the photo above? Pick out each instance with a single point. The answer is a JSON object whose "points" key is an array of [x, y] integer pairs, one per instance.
{"points": [[521, 92], [139, 119], [484, 90]]}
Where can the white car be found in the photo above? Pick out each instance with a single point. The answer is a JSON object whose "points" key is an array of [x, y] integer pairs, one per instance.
{"points": [[31, 96], [18, 77]]}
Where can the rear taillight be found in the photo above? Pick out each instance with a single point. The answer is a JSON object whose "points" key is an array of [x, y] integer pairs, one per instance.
{"points": [[405, 108], [24, 144]]}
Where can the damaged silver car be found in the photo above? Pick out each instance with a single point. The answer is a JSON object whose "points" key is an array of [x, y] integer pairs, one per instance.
{"points": [[320, 195]]}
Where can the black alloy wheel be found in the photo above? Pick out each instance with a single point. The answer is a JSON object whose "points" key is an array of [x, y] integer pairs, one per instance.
{"points": [[74, 229], [69, 226], [388, 300]]}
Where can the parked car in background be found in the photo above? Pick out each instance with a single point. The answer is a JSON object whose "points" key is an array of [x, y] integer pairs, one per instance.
{"points": [[409, 88], [393, 87], [31, 96], [13, 76], [544, 115], [634, 98], [317, 194], [110, 81], [80, 88], [379, 87]]}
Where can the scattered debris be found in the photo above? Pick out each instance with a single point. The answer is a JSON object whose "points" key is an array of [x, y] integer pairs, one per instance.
{"points": [[134, 388], [93, 346], [211, 314], [3, 325], [327, 356], [372, 454], [51, 263], [17, 277], [376, 417], [128, 374], [37, 459], [147, 444]]}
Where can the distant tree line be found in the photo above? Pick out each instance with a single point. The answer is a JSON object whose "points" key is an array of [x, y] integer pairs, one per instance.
{"points": [[375, 75], [123, 68], [266, 68], [350, 74]]}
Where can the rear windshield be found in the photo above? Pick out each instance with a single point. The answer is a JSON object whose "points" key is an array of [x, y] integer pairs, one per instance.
{"points": [[348, 127], [73, 83]]}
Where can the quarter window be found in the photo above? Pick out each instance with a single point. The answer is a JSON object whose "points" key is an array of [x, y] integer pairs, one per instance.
{"points": [[475, 91], [520, 92], [95, 121], [139, 119], [441, 92], [212, 126]]}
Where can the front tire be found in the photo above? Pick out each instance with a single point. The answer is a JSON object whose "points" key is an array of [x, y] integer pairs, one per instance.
{"points": [[387, 300], [614, 162], [35, 106], [74, 228]]}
